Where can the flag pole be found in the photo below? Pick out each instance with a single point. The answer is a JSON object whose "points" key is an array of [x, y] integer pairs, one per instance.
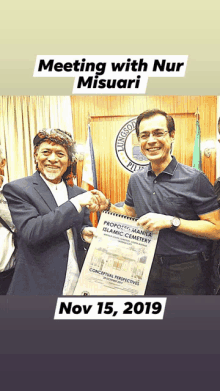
{"points": [[89, 179], [197, 160]]}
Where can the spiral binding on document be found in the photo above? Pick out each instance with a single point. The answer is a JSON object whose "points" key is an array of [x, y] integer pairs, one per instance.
{"points": [[122, 216]]}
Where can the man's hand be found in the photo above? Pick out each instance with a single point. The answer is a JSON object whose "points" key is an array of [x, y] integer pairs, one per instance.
{"points": [[154, 221], [101, 198], [89, 200], [88, 233]]}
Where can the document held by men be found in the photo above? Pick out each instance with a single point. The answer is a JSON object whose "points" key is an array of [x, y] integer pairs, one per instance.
{"points": [[119, 259]]}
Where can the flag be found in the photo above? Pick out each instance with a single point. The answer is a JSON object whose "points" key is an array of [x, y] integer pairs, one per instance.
{"points": [[197, 161], [89, 170]]}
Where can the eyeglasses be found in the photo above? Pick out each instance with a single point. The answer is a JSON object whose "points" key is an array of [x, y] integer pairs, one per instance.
{"points": [[156, 134]]}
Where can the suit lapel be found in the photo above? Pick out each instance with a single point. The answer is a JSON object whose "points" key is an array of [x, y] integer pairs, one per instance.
{"points": [[44, 191]]}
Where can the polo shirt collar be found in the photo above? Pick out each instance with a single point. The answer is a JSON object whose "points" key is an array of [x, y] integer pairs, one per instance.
{"points": [[168, 170]]}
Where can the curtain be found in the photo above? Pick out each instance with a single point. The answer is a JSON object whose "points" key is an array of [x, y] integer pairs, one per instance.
{"points": [[21, 118]]}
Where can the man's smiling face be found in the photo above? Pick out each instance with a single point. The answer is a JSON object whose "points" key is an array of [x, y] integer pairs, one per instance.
{"points": [[156, 149], [52, 160]]}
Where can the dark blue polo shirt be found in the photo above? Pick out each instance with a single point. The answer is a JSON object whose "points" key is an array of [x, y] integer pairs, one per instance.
{"points": [[180, 191]]}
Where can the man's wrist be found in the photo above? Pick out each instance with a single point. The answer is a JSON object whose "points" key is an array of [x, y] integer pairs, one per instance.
{"points": [[175, 223]]}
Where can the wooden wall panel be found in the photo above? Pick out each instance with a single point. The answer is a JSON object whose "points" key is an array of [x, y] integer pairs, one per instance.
{"points": [[109, 113], [114, 183]]}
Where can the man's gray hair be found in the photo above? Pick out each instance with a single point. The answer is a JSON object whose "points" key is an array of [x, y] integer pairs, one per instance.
{"points": [[2, 154]]}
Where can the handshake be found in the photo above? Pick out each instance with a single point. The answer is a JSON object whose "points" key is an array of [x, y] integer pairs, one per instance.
{"points": [[94, 200]]}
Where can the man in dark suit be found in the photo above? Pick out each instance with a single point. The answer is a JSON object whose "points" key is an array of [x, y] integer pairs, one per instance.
{"points": [[51, 219]]}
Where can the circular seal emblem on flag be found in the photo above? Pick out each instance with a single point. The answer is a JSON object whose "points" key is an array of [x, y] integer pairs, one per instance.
{"points": [[127, 148]]}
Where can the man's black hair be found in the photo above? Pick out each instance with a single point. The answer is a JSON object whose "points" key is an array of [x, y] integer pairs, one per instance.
{"points": [[152, 113]]}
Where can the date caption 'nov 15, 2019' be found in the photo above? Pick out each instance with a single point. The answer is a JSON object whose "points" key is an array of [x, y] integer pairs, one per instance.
{"points": [[110, 308]]}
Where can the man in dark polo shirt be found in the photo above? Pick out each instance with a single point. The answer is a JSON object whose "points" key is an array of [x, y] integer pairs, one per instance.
{"points": [[215, 273], [176, 200]]}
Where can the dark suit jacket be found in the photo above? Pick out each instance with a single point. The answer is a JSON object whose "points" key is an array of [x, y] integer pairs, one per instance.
{"points": [[43, 245]]}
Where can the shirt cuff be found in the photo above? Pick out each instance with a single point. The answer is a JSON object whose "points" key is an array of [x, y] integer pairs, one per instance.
{"points": [[75, 202]]}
